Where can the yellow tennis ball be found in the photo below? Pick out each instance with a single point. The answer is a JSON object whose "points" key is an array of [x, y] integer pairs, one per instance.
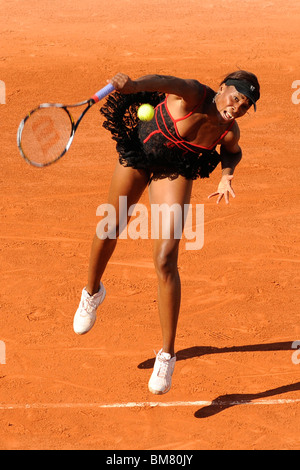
{"points": [[145, 112]]}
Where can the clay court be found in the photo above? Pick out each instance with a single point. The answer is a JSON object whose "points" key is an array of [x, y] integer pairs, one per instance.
{"points": [[235, 385]]}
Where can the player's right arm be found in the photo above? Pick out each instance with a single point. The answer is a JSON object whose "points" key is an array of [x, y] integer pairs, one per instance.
{"points": [[187, 89]]}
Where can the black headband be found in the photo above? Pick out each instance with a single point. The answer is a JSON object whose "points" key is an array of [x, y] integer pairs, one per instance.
{"points": [[245, 88]]}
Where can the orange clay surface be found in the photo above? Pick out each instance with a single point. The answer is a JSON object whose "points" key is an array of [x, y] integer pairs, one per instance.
{"points": [[240, 292]]}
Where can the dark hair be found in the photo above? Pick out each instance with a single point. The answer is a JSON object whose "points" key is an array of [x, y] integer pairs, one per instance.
{"points": [[243, 75]]}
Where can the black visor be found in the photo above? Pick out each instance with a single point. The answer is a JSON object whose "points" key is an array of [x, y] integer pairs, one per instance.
{"points": [[245, 88]]}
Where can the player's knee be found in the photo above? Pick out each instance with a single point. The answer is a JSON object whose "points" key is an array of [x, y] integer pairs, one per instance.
{"points": [[165, 260], [109, 232], [110, 228]]}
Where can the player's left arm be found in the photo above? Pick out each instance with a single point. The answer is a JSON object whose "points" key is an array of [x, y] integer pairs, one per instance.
{"points": [[230, 151], [230, 155]]}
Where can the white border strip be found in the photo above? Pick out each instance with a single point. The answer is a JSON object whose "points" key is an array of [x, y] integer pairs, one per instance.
{"points": [[150, 404]]}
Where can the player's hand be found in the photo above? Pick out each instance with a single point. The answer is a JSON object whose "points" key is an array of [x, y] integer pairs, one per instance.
{"points": [[224, 189], [123, 83]]}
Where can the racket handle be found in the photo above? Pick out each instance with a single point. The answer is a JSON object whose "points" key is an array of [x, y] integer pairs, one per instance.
{"points": [[103, 92]]}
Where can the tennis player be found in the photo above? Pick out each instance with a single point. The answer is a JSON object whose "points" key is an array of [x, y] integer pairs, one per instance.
{"points": [[166, 155]]}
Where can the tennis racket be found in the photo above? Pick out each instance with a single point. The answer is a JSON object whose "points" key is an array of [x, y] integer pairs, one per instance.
{"points": [[47, 132]]}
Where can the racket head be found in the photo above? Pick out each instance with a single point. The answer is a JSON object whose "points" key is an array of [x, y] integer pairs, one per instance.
{"points": [[45, 134]]}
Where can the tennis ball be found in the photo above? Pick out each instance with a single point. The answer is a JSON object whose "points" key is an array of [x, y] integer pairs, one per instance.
{"points": [[145, 112]]}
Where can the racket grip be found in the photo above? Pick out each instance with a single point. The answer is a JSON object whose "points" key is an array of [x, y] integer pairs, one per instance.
{"points": [[103, 92]]}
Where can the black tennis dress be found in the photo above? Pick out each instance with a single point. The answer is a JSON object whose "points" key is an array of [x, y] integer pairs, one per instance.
{"points": [[155, 146]]}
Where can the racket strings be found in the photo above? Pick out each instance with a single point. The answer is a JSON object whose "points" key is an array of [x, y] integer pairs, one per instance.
{"points": [[46, 134]]}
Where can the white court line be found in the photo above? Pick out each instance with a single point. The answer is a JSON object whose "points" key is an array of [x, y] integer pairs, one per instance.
{"points": [[150, 404]]}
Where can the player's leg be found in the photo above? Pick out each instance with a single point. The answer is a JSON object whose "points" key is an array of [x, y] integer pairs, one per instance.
{"points": [[125, 182], [175, 194]]}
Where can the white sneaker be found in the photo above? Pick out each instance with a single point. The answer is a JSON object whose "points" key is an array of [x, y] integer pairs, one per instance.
{"points": [[85, 315], [161, 378]]}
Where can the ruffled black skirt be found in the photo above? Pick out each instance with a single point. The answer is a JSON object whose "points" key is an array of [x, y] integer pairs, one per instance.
{"points": [[155, 157]]}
